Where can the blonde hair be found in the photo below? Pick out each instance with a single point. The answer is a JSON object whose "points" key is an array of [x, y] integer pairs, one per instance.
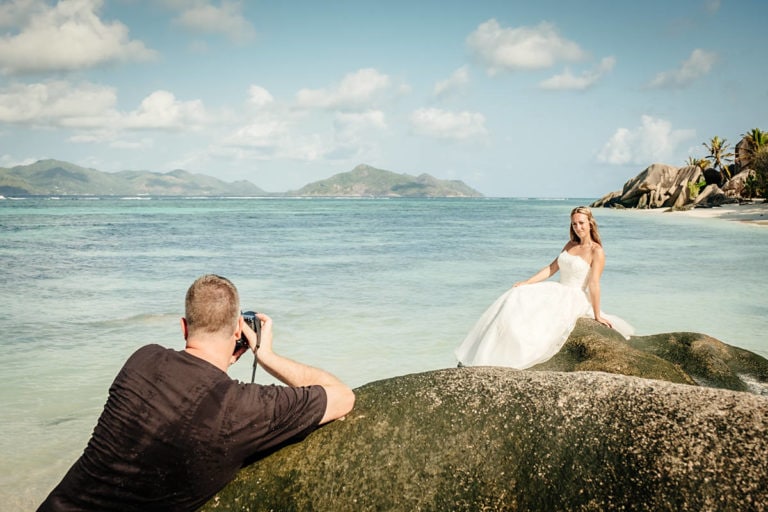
{"points": [[212, 304], [593, 231]]}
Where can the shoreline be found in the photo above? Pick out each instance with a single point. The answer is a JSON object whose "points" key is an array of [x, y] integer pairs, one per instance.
{"points": [[748, 213]]}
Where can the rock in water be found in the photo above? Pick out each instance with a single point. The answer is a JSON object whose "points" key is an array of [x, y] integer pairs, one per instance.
{"points": [[500, 439]]}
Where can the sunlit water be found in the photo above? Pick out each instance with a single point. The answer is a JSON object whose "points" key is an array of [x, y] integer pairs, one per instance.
{"points": [[368, 289]]}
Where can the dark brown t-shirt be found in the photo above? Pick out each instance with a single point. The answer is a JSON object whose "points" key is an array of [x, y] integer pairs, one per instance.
{"points": [[175, 429]]}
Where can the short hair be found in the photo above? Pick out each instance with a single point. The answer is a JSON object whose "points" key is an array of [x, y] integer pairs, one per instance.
{"points": [[593, 231], [212, 305]]}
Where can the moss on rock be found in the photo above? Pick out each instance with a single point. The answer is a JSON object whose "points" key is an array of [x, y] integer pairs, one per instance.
{"points": [[578, 436], [502, 439], [682, 357]]}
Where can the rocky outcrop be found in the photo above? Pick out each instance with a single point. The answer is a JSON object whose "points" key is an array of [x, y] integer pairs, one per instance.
{"points": [[679, 357], [736, 185], [666, 186], [573, 439], [745, 152]]}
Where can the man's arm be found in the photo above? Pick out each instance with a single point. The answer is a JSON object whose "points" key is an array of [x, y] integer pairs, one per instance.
{"points": [[340, 398]]}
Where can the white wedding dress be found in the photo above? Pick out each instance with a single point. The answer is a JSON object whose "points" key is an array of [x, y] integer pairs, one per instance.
{"points": [[529, 324]]}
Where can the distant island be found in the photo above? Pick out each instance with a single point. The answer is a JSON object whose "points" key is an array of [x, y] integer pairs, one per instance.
{"points": [[58, 178]]}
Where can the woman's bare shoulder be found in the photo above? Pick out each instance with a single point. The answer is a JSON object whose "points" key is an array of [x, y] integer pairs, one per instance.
{"points": [[597, 251]]}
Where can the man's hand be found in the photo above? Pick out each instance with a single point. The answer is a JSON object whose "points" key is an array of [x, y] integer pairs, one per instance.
{"points": [[265, 341], [250, 335]]}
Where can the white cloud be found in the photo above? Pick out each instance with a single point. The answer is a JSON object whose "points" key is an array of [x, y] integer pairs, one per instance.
{"points": [[444, 124], [65, 37], [351, 127], [280, 134], [510, 49], [697, 65], [226, 19], [144, 143], [356, 90], [270, 138], [359, 121], [161, 110], [10, 161], [259, 96], [568, 81], [455, 82], [270, 133], [56, 103], [17, 12], [651, 142], [265, 132], [283, 131], [356, 135], [91, 108]]}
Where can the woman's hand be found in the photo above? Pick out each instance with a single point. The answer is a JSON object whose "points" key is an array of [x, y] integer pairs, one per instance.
{"points": [[603, 321]]}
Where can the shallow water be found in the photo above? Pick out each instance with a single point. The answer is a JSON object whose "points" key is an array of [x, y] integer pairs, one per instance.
{"points": [[366, 288]]}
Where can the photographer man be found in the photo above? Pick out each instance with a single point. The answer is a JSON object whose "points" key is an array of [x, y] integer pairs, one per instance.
{"points": [[175, 428]]}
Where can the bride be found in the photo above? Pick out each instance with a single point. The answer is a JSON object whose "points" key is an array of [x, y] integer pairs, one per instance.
{"points": [[530, 322]]}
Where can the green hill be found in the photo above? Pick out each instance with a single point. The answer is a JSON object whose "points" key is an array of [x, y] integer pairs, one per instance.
{"points": [[57, 178], [54, 177], [367, 181]]}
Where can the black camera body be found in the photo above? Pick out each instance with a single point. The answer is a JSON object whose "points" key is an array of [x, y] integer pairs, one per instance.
{"points": [[255, 324]]}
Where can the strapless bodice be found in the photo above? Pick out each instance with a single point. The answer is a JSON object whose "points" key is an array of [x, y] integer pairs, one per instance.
{"points": [[573, 270]]}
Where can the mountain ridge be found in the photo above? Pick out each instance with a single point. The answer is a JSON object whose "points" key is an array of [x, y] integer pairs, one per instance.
{"points": [[53, 177], [367, 181]]}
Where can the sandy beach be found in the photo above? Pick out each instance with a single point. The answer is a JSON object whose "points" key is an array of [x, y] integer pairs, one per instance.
{"points": [[753, 213]]}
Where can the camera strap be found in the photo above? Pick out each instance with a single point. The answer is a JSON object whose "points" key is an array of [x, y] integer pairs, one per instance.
{"points": [[255, 351]]}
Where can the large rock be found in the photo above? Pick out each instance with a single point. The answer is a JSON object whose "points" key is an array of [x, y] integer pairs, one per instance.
{"points": [[502, 439], [712, 195], [658, 186], [736, 185], [675, 188], [680, 357], [714, 177], [745, 152]]}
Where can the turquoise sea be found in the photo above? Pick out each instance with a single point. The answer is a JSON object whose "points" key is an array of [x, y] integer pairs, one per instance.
{"points": [[366, 288]]}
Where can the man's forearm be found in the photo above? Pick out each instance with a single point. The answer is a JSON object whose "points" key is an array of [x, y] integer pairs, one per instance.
{"points": [[293, 373], [339, 397]]}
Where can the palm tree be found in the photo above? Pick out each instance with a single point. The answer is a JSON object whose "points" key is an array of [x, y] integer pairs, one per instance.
{"points": [[757, 137], [701, 163], [719, 154], [747, 148]]}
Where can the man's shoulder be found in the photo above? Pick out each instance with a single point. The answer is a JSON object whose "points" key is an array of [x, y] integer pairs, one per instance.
{"points": [[151, 350], [152, 355]]}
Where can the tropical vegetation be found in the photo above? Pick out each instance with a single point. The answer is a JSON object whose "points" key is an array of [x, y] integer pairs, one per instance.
{"points": [[757, 183], [751, 153], [756, 158], [719, 155], [701, 163]]}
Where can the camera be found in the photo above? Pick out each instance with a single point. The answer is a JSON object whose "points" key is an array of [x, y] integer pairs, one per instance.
{"points": [[255, 324]]}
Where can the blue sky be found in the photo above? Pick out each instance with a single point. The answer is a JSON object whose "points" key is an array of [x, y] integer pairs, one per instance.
{"points": [[562, 98]]}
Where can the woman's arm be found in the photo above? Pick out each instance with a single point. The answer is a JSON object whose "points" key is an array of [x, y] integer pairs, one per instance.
{"points": [[544, 273], [598, 264]]}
